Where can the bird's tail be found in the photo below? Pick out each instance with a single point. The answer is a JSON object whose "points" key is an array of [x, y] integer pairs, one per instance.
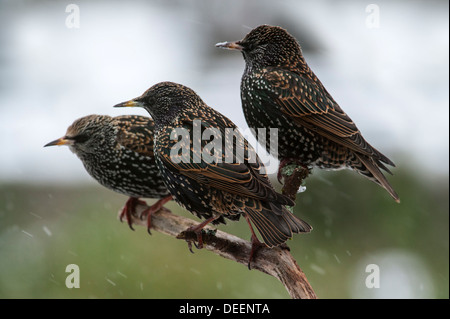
{"points": [[370, 168], [275, 227]]}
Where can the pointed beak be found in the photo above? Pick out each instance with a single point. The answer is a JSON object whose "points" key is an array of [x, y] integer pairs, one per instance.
{"points": [[59, 141], [130, 103], [230, 45]]}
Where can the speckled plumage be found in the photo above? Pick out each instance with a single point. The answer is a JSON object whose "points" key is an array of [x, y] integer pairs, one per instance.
{"points": [[220, 189], [118, 153], [279, 90]]}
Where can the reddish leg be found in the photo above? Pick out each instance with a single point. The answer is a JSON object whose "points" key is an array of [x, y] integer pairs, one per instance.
{"points": [[153, 209], [197, 229], [256, 244], [129, 209]]}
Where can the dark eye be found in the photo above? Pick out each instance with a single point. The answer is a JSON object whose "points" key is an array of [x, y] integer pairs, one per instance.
{"points": [[80, 138], [248, 46]]}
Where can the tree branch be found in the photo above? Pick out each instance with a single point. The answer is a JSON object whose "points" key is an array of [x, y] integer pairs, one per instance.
{"points": [[293, 176], [277, 262]]}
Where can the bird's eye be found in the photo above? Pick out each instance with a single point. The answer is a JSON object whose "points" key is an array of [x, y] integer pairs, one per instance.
{"points": [[80, 138], [248, 46]]}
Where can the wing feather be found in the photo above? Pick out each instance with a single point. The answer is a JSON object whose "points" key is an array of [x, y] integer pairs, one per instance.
{"points": [[312, 107], [240, 177]]}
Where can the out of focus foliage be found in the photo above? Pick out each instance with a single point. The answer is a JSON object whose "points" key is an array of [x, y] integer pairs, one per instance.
{"points": [[45, 228]]}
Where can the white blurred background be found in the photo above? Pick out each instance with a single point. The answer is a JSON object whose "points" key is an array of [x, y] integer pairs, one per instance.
{"points": [[392, 80]]}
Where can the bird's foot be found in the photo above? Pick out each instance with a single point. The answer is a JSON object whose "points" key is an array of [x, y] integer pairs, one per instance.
{"points": [[256, 245], [153, 209], [130, 209], [198, 232], [199, 236]]}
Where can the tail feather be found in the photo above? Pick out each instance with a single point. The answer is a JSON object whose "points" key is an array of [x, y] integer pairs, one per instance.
{"points": [[276, 229], [371, 170], [297, 225], [383, 158], [383, 167]]}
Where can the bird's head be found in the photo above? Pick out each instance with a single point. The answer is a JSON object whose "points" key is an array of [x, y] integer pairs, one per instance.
{"points": [[85, 135], [164, 101], [266, 46]]}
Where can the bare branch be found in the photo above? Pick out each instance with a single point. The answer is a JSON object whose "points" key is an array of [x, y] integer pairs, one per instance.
{"points": [[277, 262]]}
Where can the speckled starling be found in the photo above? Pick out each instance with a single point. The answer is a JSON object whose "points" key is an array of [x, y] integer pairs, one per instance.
{"points": [[279, 90], [226, 186], [118, 153]]}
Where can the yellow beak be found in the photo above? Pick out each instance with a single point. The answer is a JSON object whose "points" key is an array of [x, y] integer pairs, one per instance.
{"points": [[59, 141], [130, 103], [230, 45]]}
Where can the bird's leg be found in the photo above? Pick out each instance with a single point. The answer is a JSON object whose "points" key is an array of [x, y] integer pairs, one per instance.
{"points": [[256, 244], [153, 209], [197, 229], [130, 209]]}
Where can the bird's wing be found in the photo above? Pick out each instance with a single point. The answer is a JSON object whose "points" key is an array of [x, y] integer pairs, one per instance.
{"points": [[241, 176], [311, 106], [136, 134]]}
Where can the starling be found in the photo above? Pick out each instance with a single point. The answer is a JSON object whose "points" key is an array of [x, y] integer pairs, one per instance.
{"points": [[226, 186], [118, 153], [279, 90]]}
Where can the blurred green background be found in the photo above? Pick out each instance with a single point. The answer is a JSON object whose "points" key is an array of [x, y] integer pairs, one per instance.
{"points": [[355, 224], [386, 64]]}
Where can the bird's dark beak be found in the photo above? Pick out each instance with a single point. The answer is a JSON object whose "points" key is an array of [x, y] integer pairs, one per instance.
{"points": [[60, 141], [236, 45], [130, 103]]}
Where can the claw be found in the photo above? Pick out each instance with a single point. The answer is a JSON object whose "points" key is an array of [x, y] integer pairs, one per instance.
{"points": [[279, 176], [153, 209], [197, 230], [129, 209], [197, 246], [190, 246]]}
